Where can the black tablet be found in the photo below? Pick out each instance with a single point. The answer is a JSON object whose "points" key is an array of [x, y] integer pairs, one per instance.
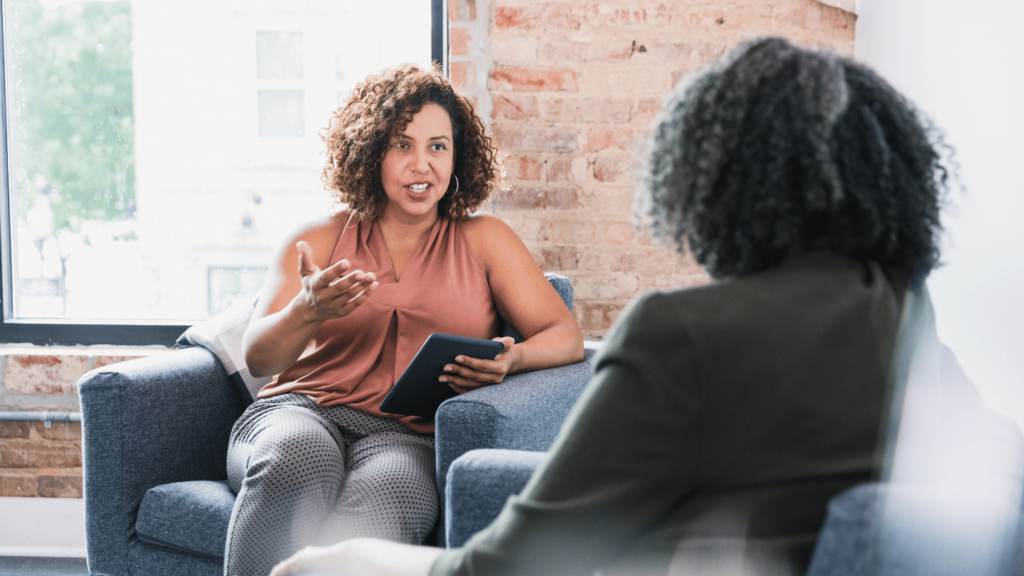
{"points": [[418, 392]]}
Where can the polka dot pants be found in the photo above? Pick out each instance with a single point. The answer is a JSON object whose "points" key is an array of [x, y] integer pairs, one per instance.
{"points": [[312, 475]]}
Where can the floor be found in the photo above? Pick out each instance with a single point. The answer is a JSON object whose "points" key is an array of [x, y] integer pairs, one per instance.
{"points": [[21, 566]]}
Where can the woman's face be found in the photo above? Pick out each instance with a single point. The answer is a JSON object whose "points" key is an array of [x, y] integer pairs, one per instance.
{"points": [[418, 166]]}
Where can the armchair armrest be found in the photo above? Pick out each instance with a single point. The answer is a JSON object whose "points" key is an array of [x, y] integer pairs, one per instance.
{"points": [[523, 413], [147, 422]]}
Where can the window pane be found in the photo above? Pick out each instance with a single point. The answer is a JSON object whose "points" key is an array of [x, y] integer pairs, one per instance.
{"points": [[281, 113], [279, 55], [146, 135]]}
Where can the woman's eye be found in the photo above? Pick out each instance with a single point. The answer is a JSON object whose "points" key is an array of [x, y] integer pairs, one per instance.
{"points": [[438, 146], [401, 145]]}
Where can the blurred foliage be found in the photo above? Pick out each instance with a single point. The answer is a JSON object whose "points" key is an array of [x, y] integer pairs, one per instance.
{"points": [[69, 85]]}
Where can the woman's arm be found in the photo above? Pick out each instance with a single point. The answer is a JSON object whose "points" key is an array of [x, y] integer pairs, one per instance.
{"points": [[300, 293], [526, 300]]}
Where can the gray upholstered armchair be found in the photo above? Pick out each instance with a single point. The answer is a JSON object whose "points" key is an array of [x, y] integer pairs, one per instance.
{"points": [[155, 434]]}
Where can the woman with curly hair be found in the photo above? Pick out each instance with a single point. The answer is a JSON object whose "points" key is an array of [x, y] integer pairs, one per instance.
{"points": [[722, 419], [347, 303]]}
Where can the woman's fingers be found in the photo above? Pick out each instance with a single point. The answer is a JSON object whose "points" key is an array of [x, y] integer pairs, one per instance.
{"points": [[471, 373]]}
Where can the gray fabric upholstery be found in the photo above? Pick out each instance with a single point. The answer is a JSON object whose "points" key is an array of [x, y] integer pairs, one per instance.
{"points": [[883, 529], [149, 422], [203, 506], [166, 419], [479, 483], [525, 412]]}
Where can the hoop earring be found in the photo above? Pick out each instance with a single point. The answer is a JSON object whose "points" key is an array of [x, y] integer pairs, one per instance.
{"points": [[456, 186]]}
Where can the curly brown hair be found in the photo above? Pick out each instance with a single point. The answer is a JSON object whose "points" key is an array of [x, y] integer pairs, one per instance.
{"points": [[377, 111], [776, 150]]}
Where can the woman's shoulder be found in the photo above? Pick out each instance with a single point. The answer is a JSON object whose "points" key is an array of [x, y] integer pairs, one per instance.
{"points": [[321, 234], [490, 238], [484, 228], [329, 226]]}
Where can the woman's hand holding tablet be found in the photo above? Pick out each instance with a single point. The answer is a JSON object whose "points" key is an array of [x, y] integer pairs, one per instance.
{"points": [[418, 392]]}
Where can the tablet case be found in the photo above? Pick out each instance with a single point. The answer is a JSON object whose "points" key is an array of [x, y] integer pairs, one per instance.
{"points": [[418, 392]]}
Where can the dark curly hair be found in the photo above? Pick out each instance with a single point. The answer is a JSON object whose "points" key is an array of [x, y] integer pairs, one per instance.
{"points": [[377, 111], [776, 150]]}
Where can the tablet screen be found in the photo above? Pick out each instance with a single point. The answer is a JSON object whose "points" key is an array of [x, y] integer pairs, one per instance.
{"points": [[418, 392]]}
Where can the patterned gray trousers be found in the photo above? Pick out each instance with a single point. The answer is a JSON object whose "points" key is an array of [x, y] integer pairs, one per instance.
{"points": [[312, 475]]}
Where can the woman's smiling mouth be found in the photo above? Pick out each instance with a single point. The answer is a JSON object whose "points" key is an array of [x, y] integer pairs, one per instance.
{"points": [[418, 188]]}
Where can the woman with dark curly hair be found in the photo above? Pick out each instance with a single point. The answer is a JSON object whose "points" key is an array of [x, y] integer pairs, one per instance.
{"points": [[721, 419], [347, 303]]}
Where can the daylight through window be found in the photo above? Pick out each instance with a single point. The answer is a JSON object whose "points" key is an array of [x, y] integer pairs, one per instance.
{"points": [[159, 151]]}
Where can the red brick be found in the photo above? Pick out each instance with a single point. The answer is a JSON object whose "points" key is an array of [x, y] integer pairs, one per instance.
{"points": [[614, 169], [44, 373], [612, 201], [545, 16], [527, 226], [459, 40], [513, 106], [60, 486], [524, 79], [755, 17], [645, 110], [690, 54], [587, 232], [596, 319], [23, 455], [70, 431], [535, 139], [463, 75], [619, 15], [626, 78], [524, 168], [559, 258], [101, 361], [605, 286], [538, 198], [621, 139], [508, 50], [562, 50], [14, 429], [645, 261], [461, 10], [559, 169], [605, 110], [814, 16], [18, 484]]}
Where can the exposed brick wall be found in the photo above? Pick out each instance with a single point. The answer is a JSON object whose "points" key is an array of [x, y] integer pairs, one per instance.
{"points": [[40, 461], [36, 460], [574, 86]]}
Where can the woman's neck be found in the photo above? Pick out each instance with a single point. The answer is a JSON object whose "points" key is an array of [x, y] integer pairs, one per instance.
{"points": [[404, 235]]}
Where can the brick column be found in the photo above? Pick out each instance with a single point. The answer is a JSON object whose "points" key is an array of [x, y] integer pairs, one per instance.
{"points": [[574, 87]]}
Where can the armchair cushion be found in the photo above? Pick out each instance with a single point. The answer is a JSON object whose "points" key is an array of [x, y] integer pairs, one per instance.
{"points": [[187, 516], [479, 483]]}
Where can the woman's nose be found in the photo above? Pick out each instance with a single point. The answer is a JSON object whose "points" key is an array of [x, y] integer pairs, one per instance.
{"points": [[419, 161]]}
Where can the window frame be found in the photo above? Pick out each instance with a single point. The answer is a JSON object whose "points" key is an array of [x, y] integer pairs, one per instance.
{"points": [[65, 332]]}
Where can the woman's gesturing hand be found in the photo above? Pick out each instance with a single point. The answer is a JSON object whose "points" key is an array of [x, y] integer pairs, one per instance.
{"points": [[471, 373], [326, 294]]}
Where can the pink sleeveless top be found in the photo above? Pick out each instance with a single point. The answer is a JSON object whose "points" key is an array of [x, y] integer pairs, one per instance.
{"points": [[356, 359]]}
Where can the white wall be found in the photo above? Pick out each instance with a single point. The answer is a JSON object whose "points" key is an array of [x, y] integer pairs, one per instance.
{"points": [[48, 527], [962, 62]]}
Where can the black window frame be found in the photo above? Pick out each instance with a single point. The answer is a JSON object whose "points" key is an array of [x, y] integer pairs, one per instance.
{"points": [[64, 332]]}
